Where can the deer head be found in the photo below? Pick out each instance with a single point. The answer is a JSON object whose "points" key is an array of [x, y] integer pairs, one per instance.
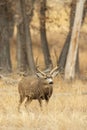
{"points": [[48, 76]]}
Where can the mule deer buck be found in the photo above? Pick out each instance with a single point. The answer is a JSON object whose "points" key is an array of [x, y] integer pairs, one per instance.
{"points": [[39, 87]]}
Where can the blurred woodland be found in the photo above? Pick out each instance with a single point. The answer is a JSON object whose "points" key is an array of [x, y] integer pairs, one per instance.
{"points": [[44, 35], [33, 29]]}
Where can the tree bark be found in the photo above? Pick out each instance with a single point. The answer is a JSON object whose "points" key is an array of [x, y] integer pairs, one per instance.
{"points": [[73, 49], [44, 41], [5, 61], [19, 36], [21, 49], [84, 12], [29, 52], [63, 55]]}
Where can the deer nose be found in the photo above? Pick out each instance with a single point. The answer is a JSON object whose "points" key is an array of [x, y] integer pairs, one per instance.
{"points": [[51, 82]]}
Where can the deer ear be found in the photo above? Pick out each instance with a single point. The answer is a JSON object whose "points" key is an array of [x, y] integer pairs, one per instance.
{"points": [[39, 75]]}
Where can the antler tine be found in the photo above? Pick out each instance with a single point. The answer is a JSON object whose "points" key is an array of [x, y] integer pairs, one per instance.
{"points": [[41, 72], [37, 67], [54, 69], [36, 62], [56, 56]]}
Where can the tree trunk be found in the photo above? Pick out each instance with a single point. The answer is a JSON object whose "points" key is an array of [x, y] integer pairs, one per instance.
{"points": [[21, 49], [73, 49], [29, 52], [84, 12], [44, 42], [19, 36], [5, 61], [64, 52]]}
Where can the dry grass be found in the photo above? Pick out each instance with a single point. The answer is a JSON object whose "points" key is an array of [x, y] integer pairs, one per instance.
{"points": [[67, 109]]}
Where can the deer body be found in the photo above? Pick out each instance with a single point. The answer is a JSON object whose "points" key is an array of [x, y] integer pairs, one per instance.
{"points": [[38, 87], [34, 88]]}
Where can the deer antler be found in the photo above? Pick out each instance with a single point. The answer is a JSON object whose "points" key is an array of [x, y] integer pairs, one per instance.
{"points": [[37, 68], [41, 72], [54, 69], [56, 56]]}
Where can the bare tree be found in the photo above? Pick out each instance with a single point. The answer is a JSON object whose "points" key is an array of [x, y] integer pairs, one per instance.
{"points": [[24, 44], [73, 49], [64, 52], [5, 61], [84, 12], [21, 52], [23, 18], [44, 41], [21, 38], [29, 52]]}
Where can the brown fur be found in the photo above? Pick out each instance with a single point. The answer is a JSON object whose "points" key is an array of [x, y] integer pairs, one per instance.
{"points": [[33, 87]]}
